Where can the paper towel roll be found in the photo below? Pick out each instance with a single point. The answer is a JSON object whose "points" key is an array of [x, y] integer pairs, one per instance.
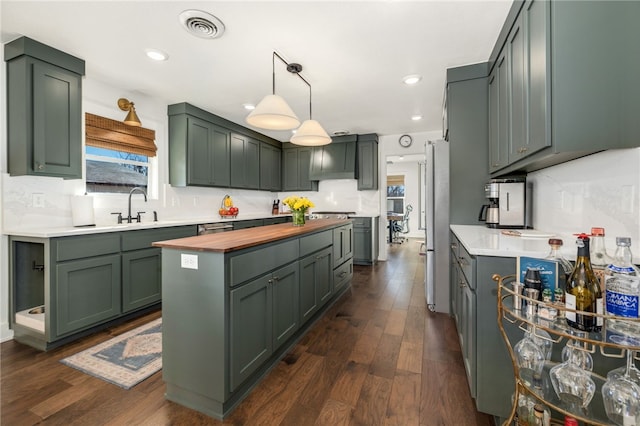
{"points": [[82, 210]]}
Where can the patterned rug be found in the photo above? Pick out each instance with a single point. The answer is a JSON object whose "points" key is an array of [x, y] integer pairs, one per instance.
{"points": [[125, 360]]}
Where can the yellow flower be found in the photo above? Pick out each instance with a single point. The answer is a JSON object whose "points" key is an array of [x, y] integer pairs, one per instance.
{"points": [[296, 203]]}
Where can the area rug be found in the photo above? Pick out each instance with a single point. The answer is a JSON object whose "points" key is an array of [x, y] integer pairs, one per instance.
{"points": [[125, 360]]}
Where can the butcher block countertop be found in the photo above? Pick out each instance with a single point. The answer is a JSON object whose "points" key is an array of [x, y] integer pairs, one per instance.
{"points": [[224, 242]]}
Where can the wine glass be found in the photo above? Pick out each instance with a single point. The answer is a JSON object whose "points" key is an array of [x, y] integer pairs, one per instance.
{"points": [[542, 339], [571, 382], [621, 396], [529, 355], [632, 371]]}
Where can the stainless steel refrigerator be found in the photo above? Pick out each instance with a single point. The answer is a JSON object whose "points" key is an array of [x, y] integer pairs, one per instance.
{"points": [[436, 181]]}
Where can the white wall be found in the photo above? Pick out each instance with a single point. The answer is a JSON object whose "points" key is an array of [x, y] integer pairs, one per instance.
{"points": [[600, 190]]}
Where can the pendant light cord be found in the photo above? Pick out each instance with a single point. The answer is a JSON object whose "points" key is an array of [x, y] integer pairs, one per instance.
{"points": [[292, 68]]}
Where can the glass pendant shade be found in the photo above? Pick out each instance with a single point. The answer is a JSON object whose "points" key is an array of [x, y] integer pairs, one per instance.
{"points": [[273, 113], [311, 133]]}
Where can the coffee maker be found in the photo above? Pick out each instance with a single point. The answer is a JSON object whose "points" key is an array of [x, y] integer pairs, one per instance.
{"points": [[509, 203]]}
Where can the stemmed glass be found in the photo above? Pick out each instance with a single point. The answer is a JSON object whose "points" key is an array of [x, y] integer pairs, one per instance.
{"points": [[621, 396], [572, 383], [632, 371]]}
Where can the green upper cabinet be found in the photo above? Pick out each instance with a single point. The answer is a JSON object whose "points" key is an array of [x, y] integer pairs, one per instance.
{"points": [[296, 162], [245, 162], [336, 160], [270, 167], [571, 85], [498, 116], [44, 110], [207, 150], [368, 162]]}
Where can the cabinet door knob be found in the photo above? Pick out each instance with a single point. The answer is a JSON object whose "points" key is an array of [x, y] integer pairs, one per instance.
{"points": [[462, 284], [40, 166]]}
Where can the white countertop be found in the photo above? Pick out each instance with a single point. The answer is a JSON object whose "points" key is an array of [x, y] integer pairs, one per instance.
{"points": [[483, 241], [66, 231]]}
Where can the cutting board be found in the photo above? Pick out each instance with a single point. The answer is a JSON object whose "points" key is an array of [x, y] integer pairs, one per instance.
{"points": [[527, 233]]}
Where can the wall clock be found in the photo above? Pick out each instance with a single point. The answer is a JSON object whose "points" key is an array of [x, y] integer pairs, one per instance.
{"points": [[405, 141]]}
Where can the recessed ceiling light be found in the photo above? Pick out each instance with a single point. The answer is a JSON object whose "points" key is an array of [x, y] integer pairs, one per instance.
{"points": [[412, 79], [416, 117], [156, 55], [340, 133], [249, 107]]}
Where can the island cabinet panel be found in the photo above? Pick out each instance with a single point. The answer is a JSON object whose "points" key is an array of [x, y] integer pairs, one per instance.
{"points": [[258, 261], [342, 244], [251, 328], [342, 275], [228, 322], [44, 114]]}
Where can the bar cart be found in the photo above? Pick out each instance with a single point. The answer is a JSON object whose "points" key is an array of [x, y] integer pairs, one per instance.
{"points": [[545, 322]]}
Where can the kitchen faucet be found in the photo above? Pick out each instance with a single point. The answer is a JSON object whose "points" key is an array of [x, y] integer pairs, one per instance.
{"points": [[137, 218]]}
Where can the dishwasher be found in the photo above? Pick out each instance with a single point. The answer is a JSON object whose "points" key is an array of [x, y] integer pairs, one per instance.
{"points": [[213, 228]]}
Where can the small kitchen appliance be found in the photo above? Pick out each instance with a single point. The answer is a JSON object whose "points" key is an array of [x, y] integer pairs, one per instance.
{"points": [[509, 203]]}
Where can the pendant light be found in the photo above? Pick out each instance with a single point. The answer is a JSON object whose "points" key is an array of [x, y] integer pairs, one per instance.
{"points": [[273, 112], [310, 133]]}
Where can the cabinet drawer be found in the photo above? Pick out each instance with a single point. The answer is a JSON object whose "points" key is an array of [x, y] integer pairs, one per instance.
{"points": [[467, 265], [245, 266], [315, 242], [342, 275], [140, 239], [68, 248]]}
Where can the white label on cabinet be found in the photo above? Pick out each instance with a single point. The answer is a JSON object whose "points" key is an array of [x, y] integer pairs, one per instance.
{"points": [[189, 261]]}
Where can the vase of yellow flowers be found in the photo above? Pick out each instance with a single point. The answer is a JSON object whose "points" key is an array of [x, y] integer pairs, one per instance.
{"points": [[298, 206]]}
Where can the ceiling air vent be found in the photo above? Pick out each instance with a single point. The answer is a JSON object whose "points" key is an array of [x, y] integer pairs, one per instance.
{"points": [[201, 24]]}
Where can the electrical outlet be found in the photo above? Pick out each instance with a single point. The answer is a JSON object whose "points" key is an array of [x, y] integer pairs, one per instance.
{"points": [[38, 200], [189, 261]]}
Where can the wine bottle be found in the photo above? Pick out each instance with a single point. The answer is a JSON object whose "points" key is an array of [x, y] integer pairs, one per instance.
{"points": [[583, 291]]}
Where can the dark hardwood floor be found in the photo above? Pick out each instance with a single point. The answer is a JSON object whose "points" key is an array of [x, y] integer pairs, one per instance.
{"points": [[378, 357]]}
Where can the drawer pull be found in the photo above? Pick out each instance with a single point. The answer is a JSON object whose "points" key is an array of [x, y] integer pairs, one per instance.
{"points": [[343, 273]]}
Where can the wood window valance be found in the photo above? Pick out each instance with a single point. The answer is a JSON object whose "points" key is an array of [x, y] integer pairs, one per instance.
{"points": [[395, 180], [103, 132]]}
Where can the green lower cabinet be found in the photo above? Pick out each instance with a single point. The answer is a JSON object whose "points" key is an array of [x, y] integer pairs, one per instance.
{"points": [[141, 278], [87, 292], [264, 314], [251, 328], [286, 317], [315, 282], [342, 275]]}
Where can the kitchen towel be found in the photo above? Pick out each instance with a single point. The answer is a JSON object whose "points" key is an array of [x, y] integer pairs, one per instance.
{"points": [[82, 210]]}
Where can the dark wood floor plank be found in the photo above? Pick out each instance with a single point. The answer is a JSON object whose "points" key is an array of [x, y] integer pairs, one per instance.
{"points": [[377, 357]]}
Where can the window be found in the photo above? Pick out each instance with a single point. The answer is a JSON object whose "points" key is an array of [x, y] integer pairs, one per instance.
{"points": [[395, 193], [118, 157]]}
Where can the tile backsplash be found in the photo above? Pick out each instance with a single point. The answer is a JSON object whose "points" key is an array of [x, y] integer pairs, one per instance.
{"points": [[599, 190]]}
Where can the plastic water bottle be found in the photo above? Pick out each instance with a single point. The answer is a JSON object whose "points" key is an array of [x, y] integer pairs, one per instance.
{"points": [[622, 290]]}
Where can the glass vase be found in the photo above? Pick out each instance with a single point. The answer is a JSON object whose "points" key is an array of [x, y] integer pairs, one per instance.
{"points": [[298, 218]]}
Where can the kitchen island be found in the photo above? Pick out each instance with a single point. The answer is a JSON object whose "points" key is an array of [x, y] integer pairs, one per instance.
{"points": [[234, 303]]}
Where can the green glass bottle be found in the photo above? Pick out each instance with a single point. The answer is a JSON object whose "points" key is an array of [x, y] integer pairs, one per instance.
{"points": [[583, 292]]}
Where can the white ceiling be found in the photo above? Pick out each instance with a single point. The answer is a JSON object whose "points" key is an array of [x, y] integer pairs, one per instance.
{"points": [[354, 53]]}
